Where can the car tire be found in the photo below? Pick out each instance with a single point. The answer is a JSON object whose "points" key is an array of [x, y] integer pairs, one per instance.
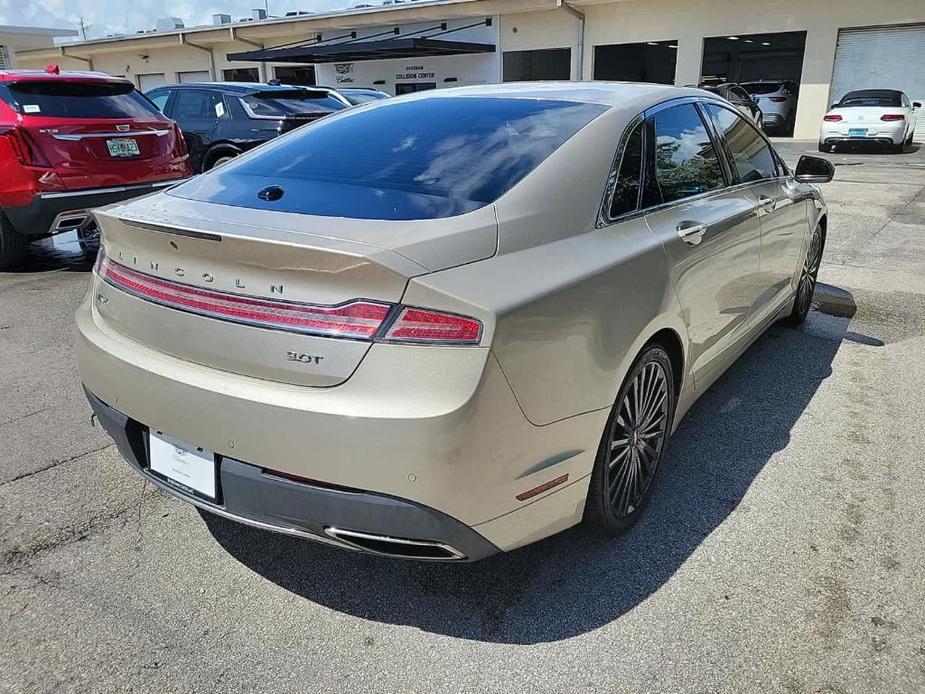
{"points": [[823, 148], [627, 463], [12, 245], [88, 239], [221, 161], [806, 286]]}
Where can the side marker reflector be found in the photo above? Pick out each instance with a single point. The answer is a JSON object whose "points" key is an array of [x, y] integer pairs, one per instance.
{"points": [[545, 487]]}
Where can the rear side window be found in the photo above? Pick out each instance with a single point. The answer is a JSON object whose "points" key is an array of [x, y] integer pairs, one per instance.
{"points": [[78, 100], [749, 154], [626, 188], [159, 99], [426, 158], [278, 104], [686, 163], [198, 104], [762, 87]]}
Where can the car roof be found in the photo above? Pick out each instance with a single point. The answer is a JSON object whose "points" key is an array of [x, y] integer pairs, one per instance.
{"points": [[604, 93], [63, 76], [240, 87]]}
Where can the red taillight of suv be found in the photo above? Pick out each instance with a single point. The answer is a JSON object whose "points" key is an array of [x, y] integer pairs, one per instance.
{"points": [[778, 99], [832, 117], [23, 146], [179, 144], [359, 319], [891, 117]]}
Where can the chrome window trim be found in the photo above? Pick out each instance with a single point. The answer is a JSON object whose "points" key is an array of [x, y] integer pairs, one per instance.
{"points": [[603, 215], [604, 221]]}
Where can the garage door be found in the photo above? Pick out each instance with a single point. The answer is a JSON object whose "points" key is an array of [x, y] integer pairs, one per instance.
{"points": [[194, 76], [151, 80], [882, 58]]}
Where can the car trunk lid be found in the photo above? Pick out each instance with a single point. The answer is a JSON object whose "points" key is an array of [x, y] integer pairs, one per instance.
{"points": [[293, 261]]}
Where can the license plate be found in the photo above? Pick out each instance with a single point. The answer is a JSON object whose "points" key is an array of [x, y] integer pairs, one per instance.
{"points": [[857, 132], [123, 147], [187, 467]]}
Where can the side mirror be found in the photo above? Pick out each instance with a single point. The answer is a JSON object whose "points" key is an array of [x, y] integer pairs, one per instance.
{"points": [[755, 99], [916, 104], [814, 170]]}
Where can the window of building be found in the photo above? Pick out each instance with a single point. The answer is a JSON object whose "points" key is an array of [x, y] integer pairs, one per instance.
{"points": [[242, 74], [303, 75], [545, 64], [652, 61], [686, 163], [626, 188], [750, 156]]}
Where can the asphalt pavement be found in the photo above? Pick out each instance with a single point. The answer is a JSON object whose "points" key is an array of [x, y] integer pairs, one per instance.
{"points": [[783, 551]]}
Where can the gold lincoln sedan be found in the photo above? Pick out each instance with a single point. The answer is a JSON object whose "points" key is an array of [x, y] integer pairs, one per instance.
{"points": [[449, 324]]}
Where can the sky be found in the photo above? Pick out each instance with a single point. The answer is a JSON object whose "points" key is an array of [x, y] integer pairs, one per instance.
{"points": [[123, 16]]}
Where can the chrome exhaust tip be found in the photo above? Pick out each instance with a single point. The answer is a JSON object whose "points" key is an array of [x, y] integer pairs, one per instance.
{"points": [[398, 547]]}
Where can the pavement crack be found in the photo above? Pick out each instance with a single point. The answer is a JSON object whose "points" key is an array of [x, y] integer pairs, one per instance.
{"points": [[25, 416], [54, 464]]}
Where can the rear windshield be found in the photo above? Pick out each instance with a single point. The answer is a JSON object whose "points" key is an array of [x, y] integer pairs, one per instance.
{"points": [[277, 104], [79, 100], [357, 96], [855, 99], [422, 159], [762, 87]]}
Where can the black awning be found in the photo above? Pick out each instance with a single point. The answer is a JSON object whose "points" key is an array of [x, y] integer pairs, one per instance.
{"points": [[351, 52]]}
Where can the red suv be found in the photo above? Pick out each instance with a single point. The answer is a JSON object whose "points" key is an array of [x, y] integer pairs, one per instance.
{"points": [[73, 141]]}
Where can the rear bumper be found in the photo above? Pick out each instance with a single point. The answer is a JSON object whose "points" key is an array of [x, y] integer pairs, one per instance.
{"points": [[56, 212], [860, 140], [350, 518], [437, 428]]}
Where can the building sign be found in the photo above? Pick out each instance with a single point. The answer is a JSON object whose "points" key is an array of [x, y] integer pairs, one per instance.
{"points": [[343, 73], [414, 72]]}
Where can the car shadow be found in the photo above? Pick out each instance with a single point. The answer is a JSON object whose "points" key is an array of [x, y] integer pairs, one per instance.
{"points": [[577, 581], [50, 255]]}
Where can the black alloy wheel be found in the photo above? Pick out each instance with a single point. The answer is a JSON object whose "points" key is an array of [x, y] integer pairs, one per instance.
{"points": [[807, 286], [633, 444]]}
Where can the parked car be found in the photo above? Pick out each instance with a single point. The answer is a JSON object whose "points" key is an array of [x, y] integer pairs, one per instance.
{"points": [[221, 120], [884, 116], [360, 95], [777, 100], [72, 141], [738, 97], [387, 352]]}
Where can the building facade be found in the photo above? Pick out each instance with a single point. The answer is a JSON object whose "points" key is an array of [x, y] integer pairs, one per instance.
{"points": [[824, 47]]}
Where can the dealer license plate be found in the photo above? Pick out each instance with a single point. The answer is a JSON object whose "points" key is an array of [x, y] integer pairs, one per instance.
{"points": [[184, 466]]}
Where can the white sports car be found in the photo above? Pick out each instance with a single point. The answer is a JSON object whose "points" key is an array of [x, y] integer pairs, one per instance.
{"points": [[884, 116]]}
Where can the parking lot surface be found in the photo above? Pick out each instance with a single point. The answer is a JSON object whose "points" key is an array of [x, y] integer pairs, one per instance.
{"points": [[782, 551]]}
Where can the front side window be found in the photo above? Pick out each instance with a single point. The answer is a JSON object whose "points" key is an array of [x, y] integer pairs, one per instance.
{"points": [[626, 189], [750, 156], [79, 99], [426, 159], [686, 163]]}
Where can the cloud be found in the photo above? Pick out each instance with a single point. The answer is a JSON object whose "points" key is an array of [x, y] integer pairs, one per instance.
{"points": [[108, 17]]}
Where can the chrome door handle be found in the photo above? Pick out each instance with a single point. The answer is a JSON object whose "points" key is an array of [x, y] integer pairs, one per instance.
{"points": [[691, 233], [766, 203]]}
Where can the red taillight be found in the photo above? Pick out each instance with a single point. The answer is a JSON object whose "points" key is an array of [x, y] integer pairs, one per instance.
{"points": [[359, 319], [778, 99], [24, 147], [832, 117], [356, 319], [892, 117], [179, 144], [422, 325]]}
